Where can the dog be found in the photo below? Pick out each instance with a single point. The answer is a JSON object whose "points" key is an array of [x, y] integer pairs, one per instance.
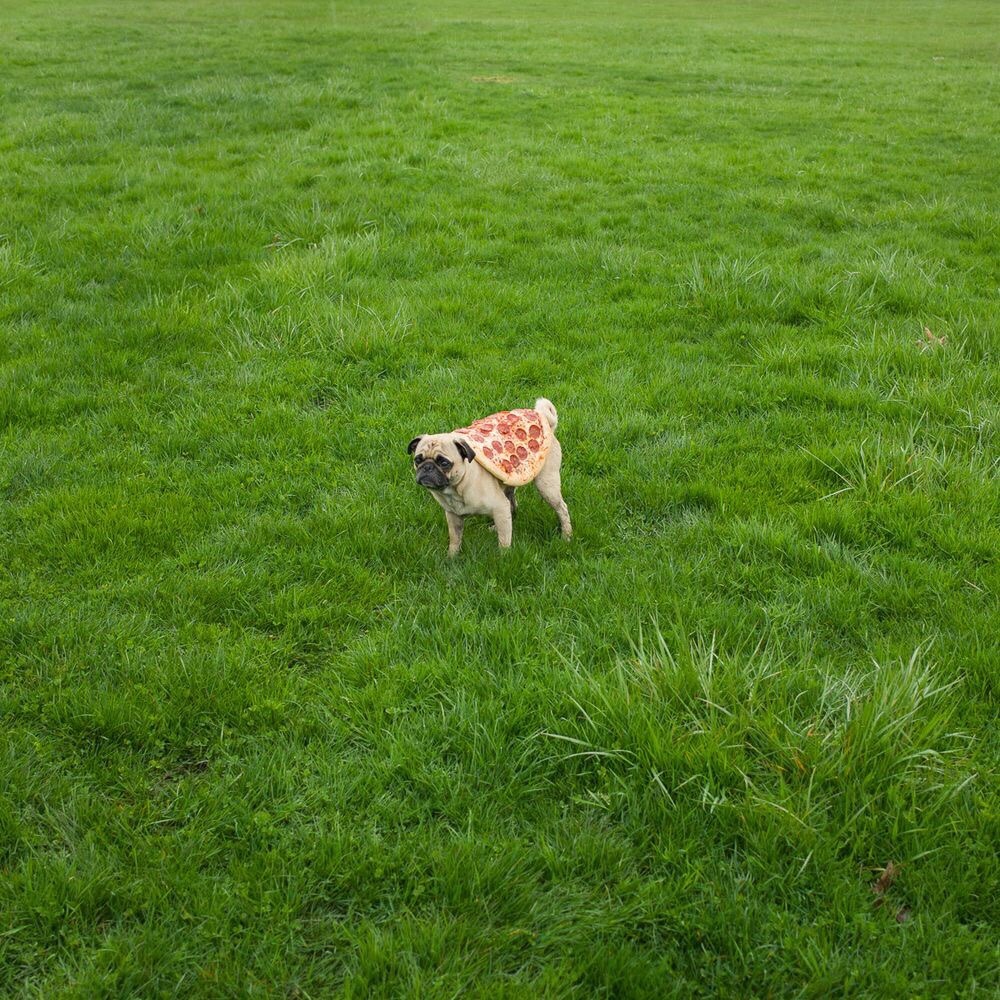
{"points": [[476, 469]]}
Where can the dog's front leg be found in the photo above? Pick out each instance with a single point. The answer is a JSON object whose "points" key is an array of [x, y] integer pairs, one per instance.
{"points": [[456, 525], [504, 522]]}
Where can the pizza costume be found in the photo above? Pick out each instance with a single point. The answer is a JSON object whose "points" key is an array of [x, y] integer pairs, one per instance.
{"points": [[511, 445]]}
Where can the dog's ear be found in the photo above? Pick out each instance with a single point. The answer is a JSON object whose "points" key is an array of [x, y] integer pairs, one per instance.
{"points": [[412, 446], [464, 450]]}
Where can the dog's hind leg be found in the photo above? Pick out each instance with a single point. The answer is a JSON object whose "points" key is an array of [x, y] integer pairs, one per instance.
{"points": [[549, 485], [509, 491]]}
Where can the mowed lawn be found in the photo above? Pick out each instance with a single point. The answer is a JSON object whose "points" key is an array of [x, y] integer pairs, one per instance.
{"points": [[260, 738]]}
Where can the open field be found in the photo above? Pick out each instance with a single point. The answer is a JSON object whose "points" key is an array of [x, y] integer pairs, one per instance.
{"points": [[260, 739]]}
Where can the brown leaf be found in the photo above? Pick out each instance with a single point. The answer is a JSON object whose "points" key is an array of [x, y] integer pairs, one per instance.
{"points": [[931, 341], [881, 885], [902, 915]]}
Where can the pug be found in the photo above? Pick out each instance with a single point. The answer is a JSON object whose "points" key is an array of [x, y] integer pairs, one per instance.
{"points": [[476, 469]]}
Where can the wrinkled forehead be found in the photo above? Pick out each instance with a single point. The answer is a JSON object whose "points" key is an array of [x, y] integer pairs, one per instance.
{"points": [[436, 444]]}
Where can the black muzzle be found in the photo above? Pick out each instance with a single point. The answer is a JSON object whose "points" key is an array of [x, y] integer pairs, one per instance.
{"points": [[429, 475]]}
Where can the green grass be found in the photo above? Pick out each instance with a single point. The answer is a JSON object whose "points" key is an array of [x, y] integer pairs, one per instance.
{"points": [[260, 738]]}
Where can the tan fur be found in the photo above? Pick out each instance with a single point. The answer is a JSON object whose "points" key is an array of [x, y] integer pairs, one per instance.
{"points": [[472, 490]]}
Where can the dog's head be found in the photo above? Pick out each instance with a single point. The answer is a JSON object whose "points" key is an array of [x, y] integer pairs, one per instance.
{"points": [[440, 459]]}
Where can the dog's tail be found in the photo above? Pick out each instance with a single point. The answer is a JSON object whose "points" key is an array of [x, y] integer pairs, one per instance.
{"points": [[547, 410]]}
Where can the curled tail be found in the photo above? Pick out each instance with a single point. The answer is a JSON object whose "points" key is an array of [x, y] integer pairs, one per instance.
{"points": [[547, 410]]}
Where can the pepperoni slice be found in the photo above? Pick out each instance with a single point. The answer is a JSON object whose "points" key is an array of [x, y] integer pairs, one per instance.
{"points": [[506, 466], [486, 426], [497, 446], [535, 431], [522, 452], [488, 451], [520, 433], [533, 445], [508, 446], [515, 461]]}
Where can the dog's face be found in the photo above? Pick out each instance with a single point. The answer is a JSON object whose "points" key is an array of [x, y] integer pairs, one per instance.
{"points": [[439, 460]]}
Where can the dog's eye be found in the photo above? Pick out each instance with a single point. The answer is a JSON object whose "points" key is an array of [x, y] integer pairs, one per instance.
{"points": [[418, 459], [443, 462]]}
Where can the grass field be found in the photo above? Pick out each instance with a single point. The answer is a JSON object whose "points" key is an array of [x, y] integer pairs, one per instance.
{"points": [[259, 738]]}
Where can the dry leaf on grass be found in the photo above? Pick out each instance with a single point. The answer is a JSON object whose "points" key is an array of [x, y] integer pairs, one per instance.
{"points": [[881, 885], [931, 341]]}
